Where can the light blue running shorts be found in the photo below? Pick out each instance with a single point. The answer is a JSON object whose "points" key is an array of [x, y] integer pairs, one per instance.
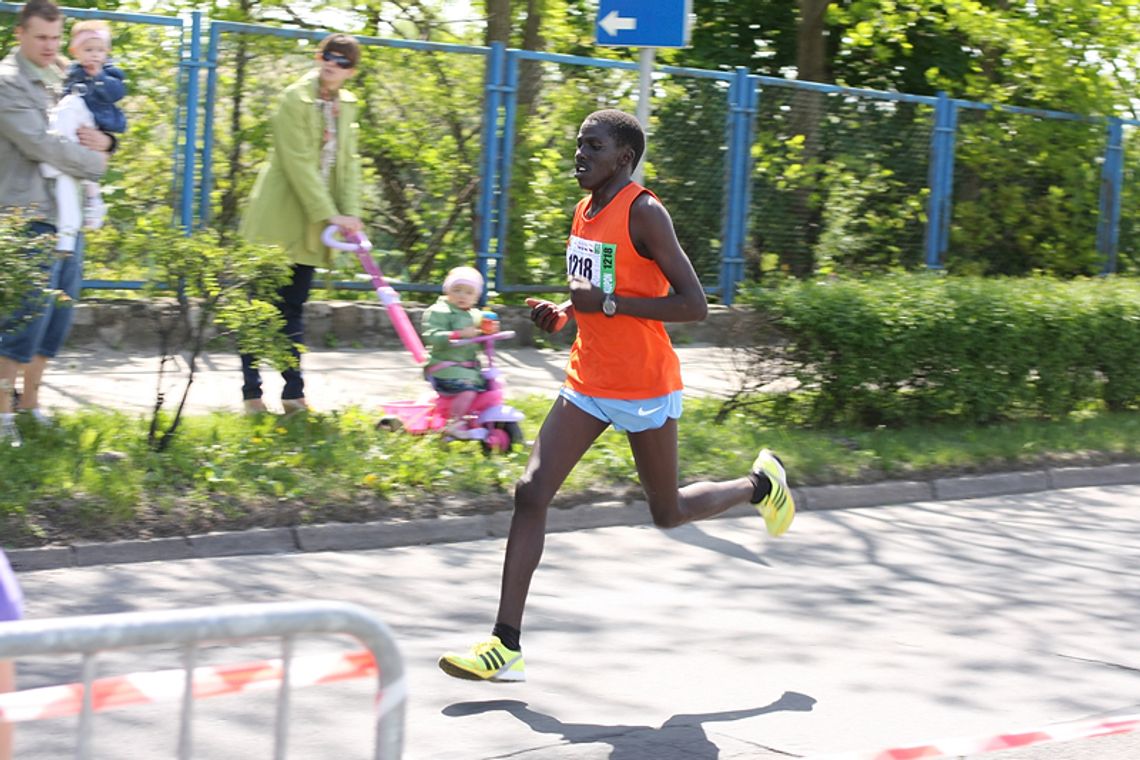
{"points": [[628, 415]]}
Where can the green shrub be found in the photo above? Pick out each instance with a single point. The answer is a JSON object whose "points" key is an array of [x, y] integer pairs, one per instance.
{"points": [[1116, 349], [27, 263], [906, 349]]}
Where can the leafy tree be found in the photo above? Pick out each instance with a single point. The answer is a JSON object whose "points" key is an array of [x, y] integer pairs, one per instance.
{"points": [[225, 291], [1026, 188], [27, 265], [1034, 176], [839, 183]]}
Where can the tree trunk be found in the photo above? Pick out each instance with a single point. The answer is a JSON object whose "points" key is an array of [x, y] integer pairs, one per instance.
{"points": [[498, 22], [228, 214], [811, 42], [807, 112], [530, 75], [227, 217]]}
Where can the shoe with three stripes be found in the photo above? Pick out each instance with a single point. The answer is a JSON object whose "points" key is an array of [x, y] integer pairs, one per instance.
{"points": [[778, 508], [487, 661]]}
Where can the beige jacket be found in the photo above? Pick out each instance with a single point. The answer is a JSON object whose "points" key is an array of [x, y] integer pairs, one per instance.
{"points": [[25, 142]]}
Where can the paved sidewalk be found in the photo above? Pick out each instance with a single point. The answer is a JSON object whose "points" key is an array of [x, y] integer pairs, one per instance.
{"points": [[334, 378]]}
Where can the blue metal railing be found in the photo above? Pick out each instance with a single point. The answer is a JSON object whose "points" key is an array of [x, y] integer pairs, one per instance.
{"points": [[493, 140], [193, 150], [743, 96], [1112, 184], [941, 181]]}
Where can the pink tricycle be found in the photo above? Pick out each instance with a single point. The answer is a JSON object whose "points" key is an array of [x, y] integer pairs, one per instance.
{"points": [[488, 420]]}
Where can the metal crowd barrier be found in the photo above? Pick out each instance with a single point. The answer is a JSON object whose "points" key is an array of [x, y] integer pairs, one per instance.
{"points": [[190, 628]]}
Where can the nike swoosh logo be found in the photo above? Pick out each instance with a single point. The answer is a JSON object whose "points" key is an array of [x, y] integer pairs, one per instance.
{"points": [[646, 412]]}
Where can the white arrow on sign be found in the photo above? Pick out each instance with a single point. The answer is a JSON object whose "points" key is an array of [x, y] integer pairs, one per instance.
{"points": [[614, 22]]}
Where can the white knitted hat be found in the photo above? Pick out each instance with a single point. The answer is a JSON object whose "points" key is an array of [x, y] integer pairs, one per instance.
{"points": [[466, 276]]}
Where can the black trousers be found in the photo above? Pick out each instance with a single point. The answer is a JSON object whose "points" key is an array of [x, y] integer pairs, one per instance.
{"points": [[292, 305]]}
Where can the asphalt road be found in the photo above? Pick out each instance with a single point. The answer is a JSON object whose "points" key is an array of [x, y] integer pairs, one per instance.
{"points": [[861, 629]]}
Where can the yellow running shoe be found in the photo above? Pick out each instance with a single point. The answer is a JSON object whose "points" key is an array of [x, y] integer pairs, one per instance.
{"points": [[778, 508], [488, 661]]}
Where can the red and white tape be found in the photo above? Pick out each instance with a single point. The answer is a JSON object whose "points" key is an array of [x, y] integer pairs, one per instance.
{"points": [[979, 745], [168, 685]]}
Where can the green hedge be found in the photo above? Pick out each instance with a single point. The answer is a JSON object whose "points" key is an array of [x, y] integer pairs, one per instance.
{"points": [[912, 348]]}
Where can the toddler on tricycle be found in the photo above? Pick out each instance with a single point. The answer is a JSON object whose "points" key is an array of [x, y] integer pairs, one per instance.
{"points": [[467, 402]]}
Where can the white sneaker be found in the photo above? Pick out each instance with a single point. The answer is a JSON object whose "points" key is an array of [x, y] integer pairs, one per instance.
{"points": [[40, 416], [9, 433]]}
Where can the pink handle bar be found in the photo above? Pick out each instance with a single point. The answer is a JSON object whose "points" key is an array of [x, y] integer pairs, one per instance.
{"points": [[329, 238], [504, 335], [385, 292]]}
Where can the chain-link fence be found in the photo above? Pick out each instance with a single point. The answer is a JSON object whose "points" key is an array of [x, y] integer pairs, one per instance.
{"points": [[685, 160], [1128, 245], [1026, 194], [840, 181], [467, 159], [420, 139]]}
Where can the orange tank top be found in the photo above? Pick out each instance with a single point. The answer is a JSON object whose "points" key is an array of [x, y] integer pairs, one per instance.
{"points": [[619, 357]]}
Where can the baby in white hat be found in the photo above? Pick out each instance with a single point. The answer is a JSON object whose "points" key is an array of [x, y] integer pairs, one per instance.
{"points": [[454, 371]]}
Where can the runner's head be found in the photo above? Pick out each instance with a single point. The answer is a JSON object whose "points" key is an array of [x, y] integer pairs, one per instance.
{"points": [[624, 128], [610, 142]]}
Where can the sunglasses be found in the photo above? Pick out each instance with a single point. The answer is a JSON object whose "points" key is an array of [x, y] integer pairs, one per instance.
{"points": [[339, 59]]}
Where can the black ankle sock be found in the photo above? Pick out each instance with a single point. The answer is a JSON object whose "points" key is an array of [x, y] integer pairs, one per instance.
{"points": [[761, 486], [508, 635]]}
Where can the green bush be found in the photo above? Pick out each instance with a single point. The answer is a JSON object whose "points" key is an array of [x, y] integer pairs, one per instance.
{"points": [[27, 263], [1116, 351], [907, 349]]}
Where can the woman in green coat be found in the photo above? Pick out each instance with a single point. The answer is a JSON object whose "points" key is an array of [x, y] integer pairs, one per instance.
{"points": [[312, 180]]}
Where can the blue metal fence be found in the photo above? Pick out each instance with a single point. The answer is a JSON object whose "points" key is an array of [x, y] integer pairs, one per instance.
{"points": [[745, 99], [296, 56]]}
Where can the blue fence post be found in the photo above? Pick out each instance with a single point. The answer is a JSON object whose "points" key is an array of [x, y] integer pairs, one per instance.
{"points": [[730, 247], [191, 143], [941, 180], [741, 98], [1111, 184], [509, 92], [744, 194], [951, 140], [208, 124], [492, 99]]}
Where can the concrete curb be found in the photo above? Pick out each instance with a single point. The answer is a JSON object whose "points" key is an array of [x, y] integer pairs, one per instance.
{"points": [[446, 529]]}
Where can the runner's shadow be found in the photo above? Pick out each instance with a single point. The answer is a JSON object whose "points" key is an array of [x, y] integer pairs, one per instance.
{"points": [[682, 736], [693, 536]]}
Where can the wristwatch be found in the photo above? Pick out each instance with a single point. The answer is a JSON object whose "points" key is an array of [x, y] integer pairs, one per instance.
{"points": [[609, 305]]}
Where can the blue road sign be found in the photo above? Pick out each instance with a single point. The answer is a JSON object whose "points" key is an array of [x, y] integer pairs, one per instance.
{"points": [[644, 23]]}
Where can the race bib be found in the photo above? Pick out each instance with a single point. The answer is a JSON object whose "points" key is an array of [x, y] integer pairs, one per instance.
{"points": [[592, 260]]}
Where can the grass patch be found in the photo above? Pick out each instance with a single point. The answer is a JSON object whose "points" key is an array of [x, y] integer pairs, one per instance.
{"points": [[92, 476]]}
